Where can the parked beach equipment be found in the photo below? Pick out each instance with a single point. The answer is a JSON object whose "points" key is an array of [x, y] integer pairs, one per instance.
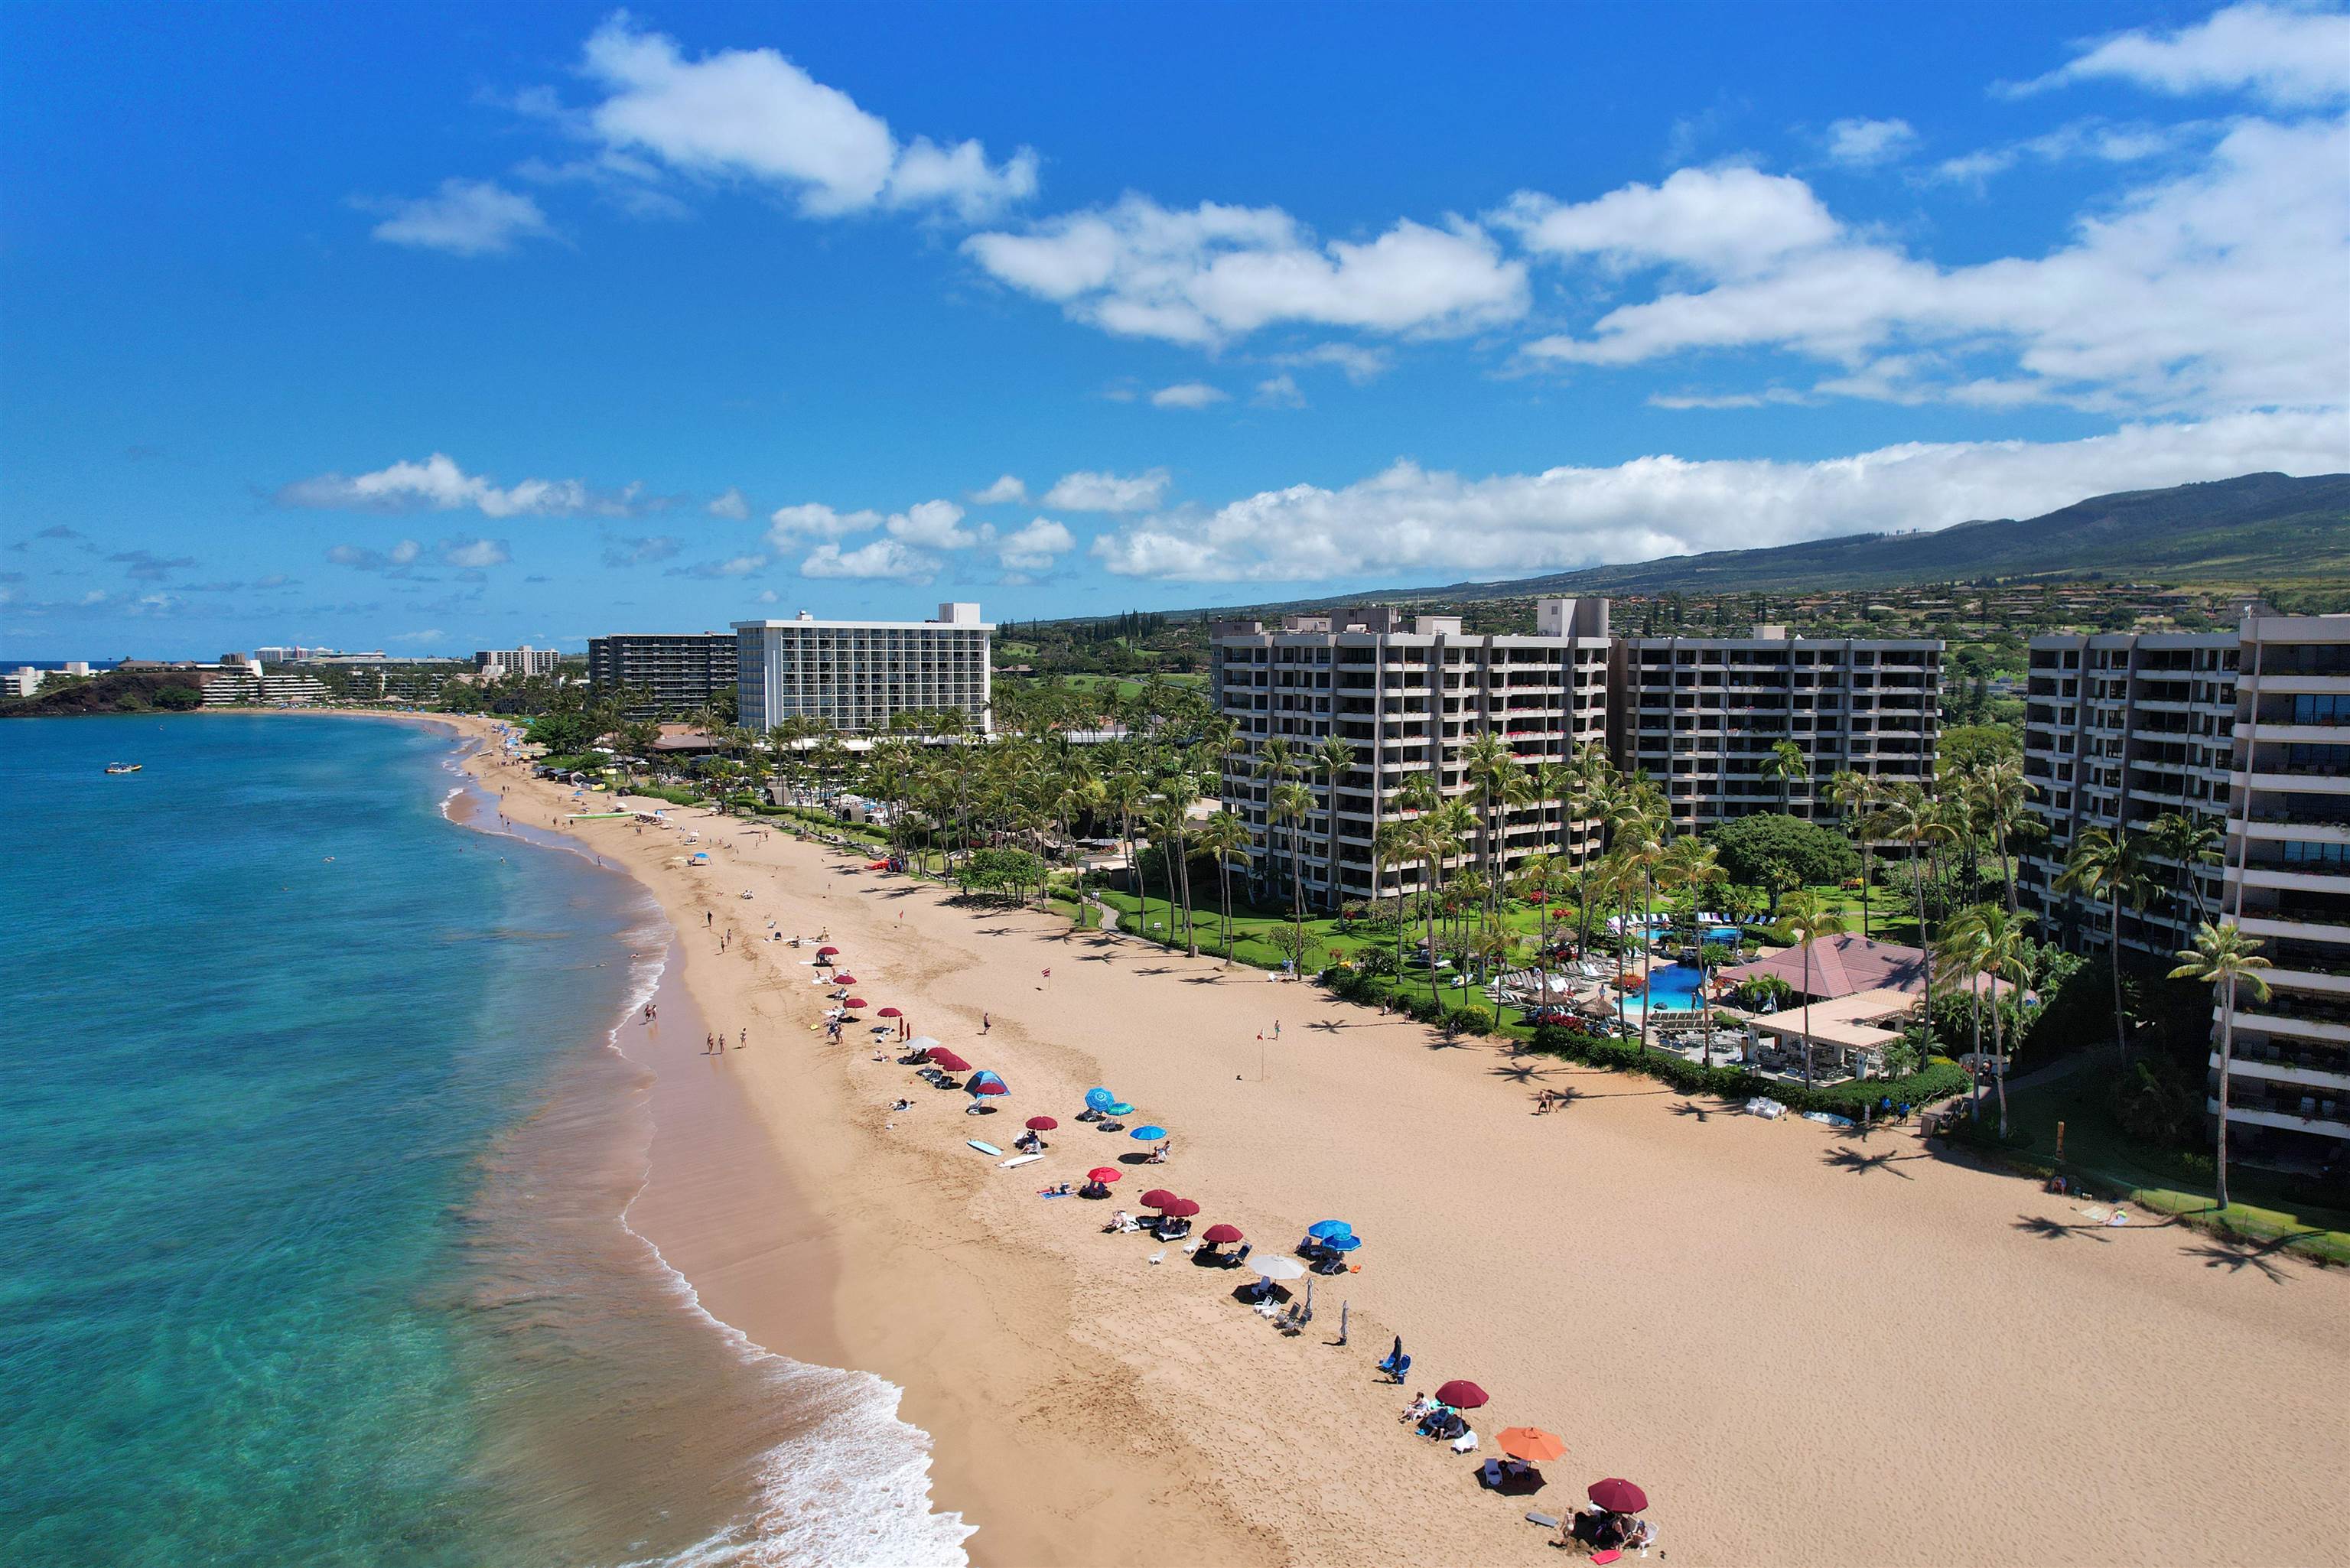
{"points": [[943, 1057], [889, 1012], [1616, 1494], [1463, 1395], [1042, 1123], [1530, 1444], [1156, 1198], [1220, 1235], [1278, 1268], [1330, 1229], [1099, 1100]]}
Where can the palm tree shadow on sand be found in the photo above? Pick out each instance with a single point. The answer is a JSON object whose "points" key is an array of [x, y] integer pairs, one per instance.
{"points": [[2049, 1229], [1844, 1157], [2235, 1254]]}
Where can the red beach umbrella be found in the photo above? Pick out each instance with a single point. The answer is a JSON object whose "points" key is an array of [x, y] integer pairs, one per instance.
{"points": [[1221, 1235], [1182, 1208], [844, 977], [1158, 1198], [854, 1002], [825, 953], [1042, 1123], [1615, 1494], [889, 1012], [943, 1057], [1104, 1173], [986, 1085], [1463, 1395]]}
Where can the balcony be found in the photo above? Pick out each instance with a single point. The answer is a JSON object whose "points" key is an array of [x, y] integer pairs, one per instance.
{"points": [[2285, 1120]]}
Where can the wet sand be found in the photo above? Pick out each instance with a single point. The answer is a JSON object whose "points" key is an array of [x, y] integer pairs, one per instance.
{"points": [[1807, 1347]]}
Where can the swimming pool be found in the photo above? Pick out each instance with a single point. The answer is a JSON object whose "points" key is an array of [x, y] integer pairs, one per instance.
{"points": [[1673, 988]]}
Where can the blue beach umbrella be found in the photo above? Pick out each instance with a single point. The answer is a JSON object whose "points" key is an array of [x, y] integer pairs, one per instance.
{"points": [[1119, 1108], [1099, 1100], [1345, 1243], [1149, 1135], [1330, 1229]]}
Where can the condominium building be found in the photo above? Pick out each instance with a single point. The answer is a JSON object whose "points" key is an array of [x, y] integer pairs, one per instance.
{"points": [[676, 673], [2287, 878], [1409, 696], [497, 663], [855, 675], [1703, 715], [2119, 729]]}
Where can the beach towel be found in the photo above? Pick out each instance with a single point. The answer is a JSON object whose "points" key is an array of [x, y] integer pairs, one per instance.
{"points": [[1545, 1520]]}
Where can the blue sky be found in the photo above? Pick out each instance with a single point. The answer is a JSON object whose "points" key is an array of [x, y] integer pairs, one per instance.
{"points": [[436, 327]]}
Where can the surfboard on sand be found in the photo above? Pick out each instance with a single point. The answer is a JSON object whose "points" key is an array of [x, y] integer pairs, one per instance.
{"points": [[1019, 1159], [982, 1147]]}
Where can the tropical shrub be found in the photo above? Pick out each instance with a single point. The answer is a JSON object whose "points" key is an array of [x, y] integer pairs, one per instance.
{"points": [[1768, 847]]}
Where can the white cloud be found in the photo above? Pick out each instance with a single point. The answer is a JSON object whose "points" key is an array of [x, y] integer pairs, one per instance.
{"points": [[361, 557], [731, 506], [1087, 492], [2096, 141], [881, 558], [475, 555], [1722, 221], [789, 525], [1769, 395], [1031, 548], [464, 218], [768, 595], [438, 484], [1865, 143], [753, 114], [1007, 490], [2288, 55], [931, 526], [1361, 365], [1216, 272], [431, 634], [733, 566], [1280, 392], [1187, 395], [1450, 528], [2192, 294]]}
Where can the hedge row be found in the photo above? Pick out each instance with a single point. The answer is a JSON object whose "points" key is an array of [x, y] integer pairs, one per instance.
{"points": [[1940, 1080]]}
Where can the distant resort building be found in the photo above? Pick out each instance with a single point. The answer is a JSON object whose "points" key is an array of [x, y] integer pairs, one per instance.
{"points": [[855, 676], [1703, 715], [676, 672], [500, 662], [1409, 694]]}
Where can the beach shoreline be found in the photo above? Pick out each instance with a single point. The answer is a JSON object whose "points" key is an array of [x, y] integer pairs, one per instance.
{"points": [[1085, 1405]]}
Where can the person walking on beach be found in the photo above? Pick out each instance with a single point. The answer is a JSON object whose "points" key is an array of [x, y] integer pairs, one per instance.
{"points": [[745, 1041], [985, 1022]]}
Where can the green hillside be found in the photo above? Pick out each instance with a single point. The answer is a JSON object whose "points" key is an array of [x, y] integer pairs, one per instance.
{"points": [[2258, 530]]}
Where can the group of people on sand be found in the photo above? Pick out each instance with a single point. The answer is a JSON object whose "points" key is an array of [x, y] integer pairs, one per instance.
{"points": [[715, 1044]]}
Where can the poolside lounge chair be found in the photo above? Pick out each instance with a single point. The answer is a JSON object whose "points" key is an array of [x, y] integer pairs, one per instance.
{"points": [[1397, 1370]]}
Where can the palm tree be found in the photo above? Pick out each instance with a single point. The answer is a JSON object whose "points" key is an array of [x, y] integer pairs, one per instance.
{"points": [[1225, 834], [1293, 804], [1181, 792], [1855, 794], [1391, 842], [1639, 844], [1487, 764], [1786, 764], [1334, 759], [1276, 760], [2189, 842], [1908, 814], [1808, 917], [2001, 799], [1123, 795], [1165, 822], [2111, 864], [1432, 840], [2224, 956]]}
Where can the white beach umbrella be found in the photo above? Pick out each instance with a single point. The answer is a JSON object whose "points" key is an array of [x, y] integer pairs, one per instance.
{"points": [[1278, 1268], [921, 1043]]}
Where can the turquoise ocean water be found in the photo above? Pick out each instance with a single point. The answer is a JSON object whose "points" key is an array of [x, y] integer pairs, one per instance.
{"points": [[312, 1156]]}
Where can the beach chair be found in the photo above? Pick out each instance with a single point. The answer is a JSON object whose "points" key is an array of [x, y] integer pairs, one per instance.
{"points": [[1399, 1371], [1466, 1443]]}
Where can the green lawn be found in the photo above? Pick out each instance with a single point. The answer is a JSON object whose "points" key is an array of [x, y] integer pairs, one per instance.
{"points": [[2163, 1180], [1129, 688]]}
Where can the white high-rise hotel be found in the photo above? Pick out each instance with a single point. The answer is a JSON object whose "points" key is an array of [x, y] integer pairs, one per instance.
{"points": [[854, 675]]}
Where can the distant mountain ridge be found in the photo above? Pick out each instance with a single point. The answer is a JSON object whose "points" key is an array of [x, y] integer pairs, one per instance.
{"points": [[2256, 529]]}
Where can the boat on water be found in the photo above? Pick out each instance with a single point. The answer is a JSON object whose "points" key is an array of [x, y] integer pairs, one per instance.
{"points": [[124, 768]]}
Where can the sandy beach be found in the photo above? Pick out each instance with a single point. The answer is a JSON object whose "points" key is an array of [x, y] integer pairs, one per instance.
{"points": [[1806, 1347]]}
